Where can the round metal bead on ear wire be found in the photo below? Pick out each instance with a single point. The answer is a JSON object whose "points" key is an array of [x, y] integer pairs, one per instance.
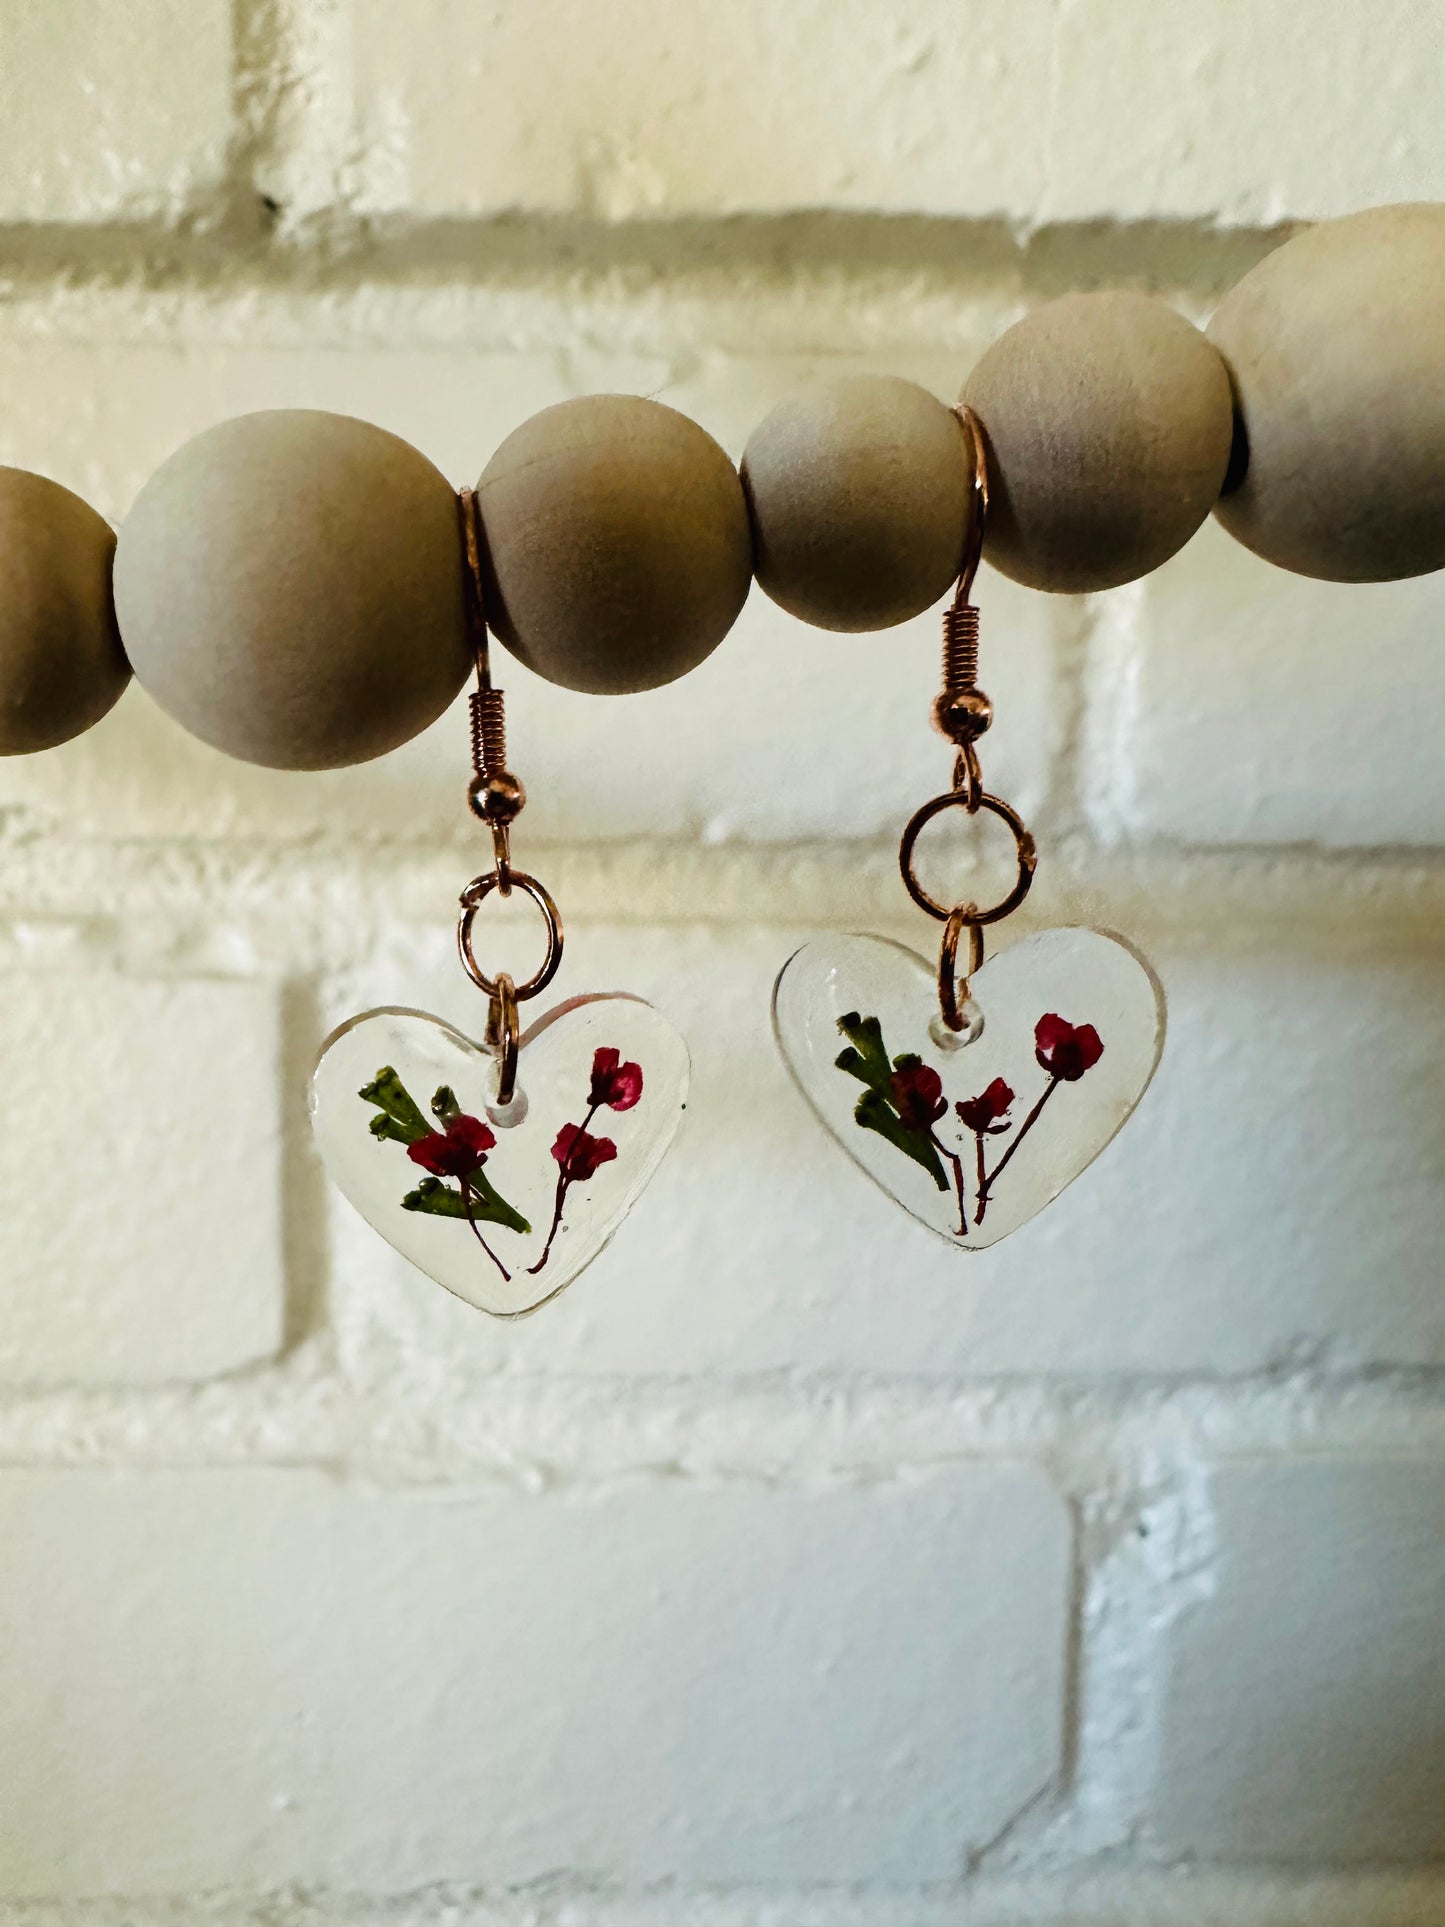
{"points": [[962, 714]]}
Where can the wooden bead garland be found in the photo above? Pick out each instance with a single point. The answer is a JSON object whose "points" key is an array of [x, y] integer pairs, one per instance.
{"points": [[1109, 424], [61, 662], [288, 587], [289, 584], [618, 543], [1336, 344], [859, 500]]}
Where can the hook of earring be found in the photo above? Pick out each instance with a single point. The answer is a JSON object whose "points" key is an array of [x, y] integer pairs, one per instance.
{"points": [[494, 793], [496, 796], [962, 712]]}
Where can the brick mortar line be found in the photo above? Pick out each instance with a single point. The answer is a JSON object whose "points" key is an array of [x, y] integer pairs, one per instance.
{"points": [[877, 319], [22, 826], [178, 910], [232, 240], [1113, 1886], [550, 1437]]}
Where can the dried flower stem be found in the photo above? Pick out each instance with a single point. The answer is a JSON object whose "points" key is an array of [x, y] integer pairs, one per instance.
{"points": [[987, 1183], [957, 1162], [564, 1179], [476, 1230]]}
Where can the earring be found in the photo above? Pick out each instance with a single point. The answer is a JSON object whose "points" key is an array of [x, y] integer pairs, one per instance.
{"points": [[982, 1097], [499, 1168]]}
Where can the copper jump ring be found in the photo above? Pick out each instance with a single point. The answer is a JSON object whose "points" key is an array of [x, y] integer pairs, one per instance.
{"points": [[473, 897], [502, 1030], [965, 917], [1023, 844]]}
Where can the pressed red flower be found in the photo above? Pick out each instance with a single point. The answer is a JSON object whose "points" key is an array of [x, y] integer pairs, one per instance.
{"points": [[614, 1083], [1066, 1050], [917, 1093], [580, 1154], [455, 1152], [981, 1113]]}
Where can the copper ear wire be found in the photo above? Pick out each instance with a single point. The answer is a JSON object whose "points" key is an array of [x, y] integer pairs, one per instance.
{"points": [[498, 798], [493, 794], [974, 436], [962, 712]]}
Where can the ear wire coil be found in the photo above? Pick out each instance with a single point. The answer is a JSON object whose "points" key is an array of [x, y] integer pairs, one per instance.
{"points": [[960, 647], [489, 732]]}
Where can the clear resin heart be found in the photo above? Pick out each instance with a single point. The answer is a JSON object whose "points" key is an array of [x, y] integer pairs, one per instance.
{"points": [[972, 1137], [503, 1205]]}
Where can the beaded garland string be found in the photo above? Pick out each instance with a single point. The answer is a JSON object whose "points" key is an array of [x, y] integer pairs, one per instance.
{"points": [[286, 586]]}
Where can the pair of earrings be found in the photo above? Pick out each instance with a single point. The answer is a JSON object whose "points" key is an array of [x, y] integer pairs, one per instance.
{"points": [[971, 1100]]}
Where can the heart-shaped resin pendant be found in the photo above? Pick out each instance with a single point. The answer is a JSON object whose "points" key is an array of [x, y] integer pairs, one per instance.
{"points": [[502, 1203], [972, 1132]]}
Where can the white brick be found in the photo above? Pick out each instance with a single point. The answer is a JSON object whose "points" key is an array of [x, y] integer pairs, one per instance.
{"points": [[1306, 1706], [1230, 702], [786, 732], [1277, 1196], [140, 1171], [219, 1680], [1240, 112], [1244, 111], [679, 109], [112, 112]]}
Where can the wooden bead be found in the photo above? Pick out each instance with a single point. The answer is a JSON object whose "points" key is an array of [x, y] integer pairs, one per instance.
{"points": [[1336, 344], [618, 543], [289, 587], [859, 500], [1109, 424], [61, 663]]}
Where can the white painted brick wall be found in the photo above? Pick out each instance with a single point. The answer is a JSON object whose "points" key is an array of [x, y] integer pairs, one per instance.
{"points": [[140, 1180], [1333, 1696], [787, 1568], [1226, 698], [113, 113], [688, 1684], [993, 108]]}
